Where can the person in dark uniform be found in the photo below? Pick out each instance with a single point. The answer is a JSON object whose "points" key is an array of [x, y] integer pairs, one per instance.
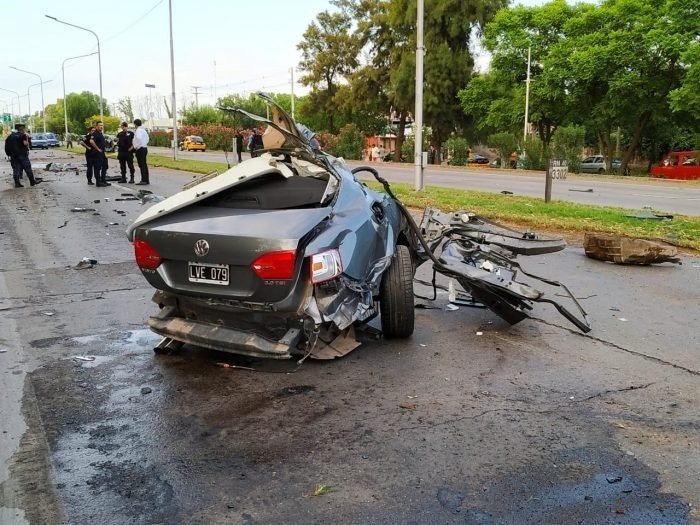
{"points": [[256, 142], [19, 157], [98, 144], [239, 145], [125, 152], [89, 154]]}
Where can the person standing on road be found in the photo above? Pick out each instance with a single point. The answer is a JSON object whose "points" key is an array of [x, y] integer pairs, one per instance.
{"points": [[125, 152], [239, 145], [98, 144], [256, 142], [19, 157], [140, 142], [89, 154], [9, 148]]}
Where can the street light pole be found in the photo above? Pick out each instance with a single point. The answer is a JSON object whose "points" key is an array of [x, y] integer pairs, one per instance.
{"points": [[41, 83], [99, 55], [65, 100], [418, 120], [29, 101], [150, 104], [172, 76], [527, 95]]}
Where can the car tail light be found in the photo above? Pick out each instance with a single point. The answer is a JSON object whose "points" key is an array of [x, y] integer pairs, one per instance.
{"points": [[275, 265], [146, 255], [326, 266]]}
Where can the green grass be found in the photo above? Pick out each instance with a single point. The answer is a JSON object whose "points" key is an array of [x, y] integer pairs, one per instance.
{"points": [[557, 216], [163, 161], [528, 212]]}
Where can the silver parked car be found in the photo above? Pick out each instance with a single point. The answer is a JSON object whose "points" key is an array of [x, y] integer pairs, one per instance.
{"points": [[596, 164]]}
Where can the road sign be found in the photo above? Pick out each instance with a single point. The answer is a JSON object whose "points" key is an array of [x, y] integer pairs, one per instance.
{"points": [[558, 169], [6, 118]]}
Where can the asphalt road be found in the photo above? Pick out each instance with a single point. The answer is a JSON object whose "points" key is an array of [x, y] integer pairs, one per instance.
{"points": [[680, 197], [469, 421]]}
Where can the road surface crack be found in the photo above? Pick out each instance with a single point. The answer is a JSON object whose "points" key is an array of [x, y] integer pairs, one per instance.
{"points": [[480, 414], [617, 390], [657, 360]]}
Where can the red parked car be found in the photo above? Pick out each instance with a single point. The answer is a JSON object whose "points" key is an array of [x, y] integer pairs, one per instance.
{"points": [[678, 165]]}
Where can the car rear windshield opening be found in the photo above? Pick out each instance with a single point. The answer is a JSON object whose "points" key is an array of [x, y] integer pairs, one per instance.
{"points": [[272, 192]]}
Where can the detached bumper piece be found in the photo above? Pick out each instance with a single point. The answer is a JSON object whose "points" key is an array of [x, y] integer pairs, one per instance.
{"points": [[223, 339]]}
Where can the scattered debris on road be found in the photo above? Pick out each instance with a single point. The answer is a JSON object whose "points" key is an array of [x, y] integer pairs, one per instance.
{"points": [[506, 192], [63, 225], [627, 250], [146, 390], [81, 210], [84, 358], [589, 190], [86, 262]]}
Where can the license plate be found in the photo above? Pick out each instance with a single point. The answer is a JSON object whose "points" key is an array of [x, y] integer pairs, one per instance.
{"points": [[208, 273]]}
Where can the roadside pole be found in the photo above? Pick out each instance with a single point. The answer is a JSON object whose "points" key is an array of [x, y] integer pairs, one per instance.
{"points": [[418, 120], [557, 169], [172, 76]]}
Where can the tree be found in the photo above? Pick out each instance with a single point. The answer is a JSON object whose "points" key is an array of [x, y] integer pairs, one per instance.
{"points": [[199, 115], [126, 108], [81, 107], [55, 119], [448, 29], [111, 124], [329, 53]]}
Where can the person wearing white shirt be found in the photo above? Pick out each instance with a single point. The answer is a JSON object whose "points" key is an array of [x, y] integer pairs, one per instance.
{"points": [[141, 150]]}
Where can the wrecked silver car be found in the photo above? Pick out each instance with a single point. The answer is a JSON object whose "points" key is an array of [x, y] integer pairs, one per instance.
{"points": [[280, 255], [285, 254]]}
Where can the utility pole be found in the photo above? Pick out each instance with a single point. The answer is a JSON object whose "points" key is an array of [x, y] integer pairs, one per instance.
{"points": [[215, 99], [418, 121], [196, 95], [172, 77], [41, 83], [291, 72], [527, 95], [65, 101]]}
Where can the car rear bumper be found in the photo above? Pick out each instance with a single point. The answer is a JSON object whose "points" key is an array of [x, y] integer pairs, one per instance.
{"points": [[224, 339]]}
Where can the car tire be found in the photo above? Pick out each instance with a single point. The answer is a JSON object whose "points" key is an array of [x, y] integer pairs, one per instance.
{"points": [[601, 171], [396, 296]]}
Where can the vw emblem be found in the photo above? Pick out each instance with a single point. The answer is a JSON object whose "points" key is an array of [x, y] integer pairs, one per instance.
{"points": [[201, 248]]}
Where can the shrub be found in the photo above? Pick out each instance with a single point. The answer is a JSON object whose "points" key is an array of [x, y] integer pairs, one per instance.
{"points": [[350, 142], [536, 154], [505, 143], [567, 143], [457, 150]]}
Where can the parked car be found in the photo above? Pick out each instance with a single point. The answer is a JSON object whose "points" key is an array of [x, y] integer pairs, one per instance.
{"points": [[478, 159], [596, 164], [193, 143], [678, 165], [39, 141], [52, 140], [110, 143]]}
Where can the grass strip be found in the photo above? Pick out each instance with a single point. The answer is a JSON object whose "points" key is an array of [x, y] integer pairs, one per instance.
{"points": [[557, 216], [528, 212]]}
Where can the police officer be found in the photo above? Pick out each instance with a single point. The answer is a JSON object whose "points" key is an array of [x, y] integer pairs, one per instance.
{"points": [[89, 154], [125, 152], [98, 144], [19, 157]]}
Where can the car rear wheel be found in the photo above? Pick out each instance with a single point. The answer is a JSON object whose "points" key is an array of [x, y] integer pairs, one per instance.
{"points": [[601, 171], [396, 296]]}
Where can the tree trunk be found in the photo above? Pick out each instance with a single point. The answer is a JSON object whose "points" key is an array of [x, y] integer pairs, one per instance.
{"points": [[638, 130], [606, 148], [400, 136]]}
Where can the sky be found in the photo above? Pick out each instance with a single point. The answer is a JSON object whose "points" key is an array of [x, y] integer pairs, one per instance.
{"points": [[253, 44], [222, 46]]}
